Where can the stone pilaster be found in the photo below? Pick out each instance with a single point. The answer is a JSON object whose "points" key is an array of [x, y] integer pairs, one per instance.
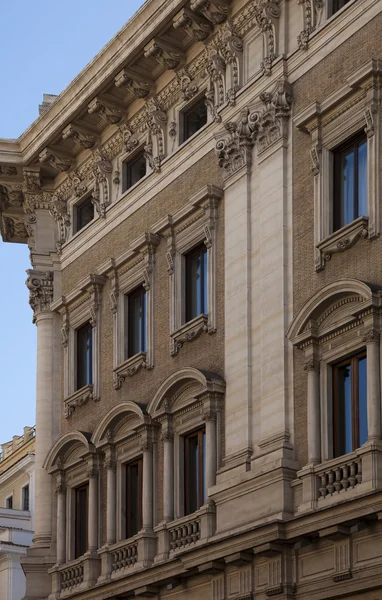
{"points": [[312, 367], [372, 340]]}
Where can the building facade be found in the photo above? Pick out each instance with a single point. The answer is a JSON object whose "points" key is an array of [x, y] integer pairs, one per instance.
{"points": [[16, 511], [202, 205]]}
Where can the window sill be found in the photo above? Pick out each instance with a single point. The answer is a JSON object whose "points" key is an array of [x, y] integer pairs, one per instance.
{"points": [[188, 332], [341, 240], [79, 398], [130, 367]]}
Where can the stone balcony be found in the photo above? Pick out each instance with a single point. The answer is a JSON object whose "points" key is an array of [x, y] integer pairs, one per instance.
{"points": [[75, 576], [340, 479]]}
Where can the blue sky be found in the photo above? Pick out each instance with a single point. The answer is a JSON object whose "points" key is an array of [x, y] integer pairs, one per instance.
{"points": [[43, 46]]}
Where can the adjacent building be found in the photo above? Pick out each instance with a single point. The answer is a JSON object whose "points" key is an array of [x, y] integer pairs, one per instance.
{"points": [[202, 206], [16, 511]]}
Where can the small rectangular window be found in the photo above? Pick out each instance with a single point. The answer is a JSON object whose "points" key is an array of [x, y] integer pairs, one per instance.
{"points": [[81, 521], [133, 171], [84, 356], [83, 214], [350, 182], [350, 404], [195, 491], [196, 283], [192, 119], [9, 502], [135, 322], [336, 5], [133, 498], [26, 497]]}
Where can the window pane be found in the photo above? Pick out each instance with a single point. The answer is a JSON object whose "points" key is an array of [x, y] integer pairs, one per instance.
{"points": [[136, 322], [135, 170], [191, 474], [85, 213], [81, 521], [84, 356], [345, 436], [362, 400], [362, 180], [194, 119], [133, 498], [347, 188], [26, 497], [196, 283]]}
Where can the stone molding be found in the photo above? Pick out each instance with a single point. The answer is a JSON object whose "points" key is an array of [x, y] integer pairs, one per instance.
{"points": [[128, 368], [311, 11], [262, 126], [40, 286], [188, 332], [341, 240], [78, 398]]}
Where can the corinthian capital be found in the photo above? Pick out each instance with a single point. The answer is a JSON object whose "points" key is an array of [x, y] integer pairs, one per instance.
{"points": [[40, 286]]}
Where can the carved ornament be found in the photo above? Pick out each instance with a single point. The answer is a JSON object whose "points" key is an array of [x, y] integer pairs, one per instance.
{"points": [[134, 85], [40, 286], [110, 114], [8, 171], [73, 132], [311, 17], [59, 211], [55, 160], [216, 11], [167, 56], [196, 25]]}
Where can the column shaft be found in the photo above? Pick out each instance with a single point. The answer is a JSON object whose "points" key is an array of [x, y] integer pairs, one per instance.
{"points": [[147, 492], [44, 404], [93, 514], [210, 452], [373, 389], [314, 420], [61, 527], [168, 480], [111, 507]]}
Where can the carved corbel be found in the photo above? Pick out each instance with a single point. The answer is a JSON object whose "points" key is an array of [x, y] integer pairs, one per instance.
{"points": [[273, 123], [216, 70], [130, 142], [156, 123], [65, 329], [102, 173], [40, 286], [57, 161], [80, 137], [32, 182], [311, 17], [133, 84], [166, 55], [231, 49], [107, 112], [216, 11], [370, 112], [195, 25], [234, 146], [267, 13], [59, 211]]}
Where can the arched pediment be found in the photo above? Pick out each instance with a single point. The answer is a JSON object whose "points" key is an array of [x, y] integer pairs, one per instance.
{"points": [[68, 449], [121, 420], [183, 385], [331, 306]]}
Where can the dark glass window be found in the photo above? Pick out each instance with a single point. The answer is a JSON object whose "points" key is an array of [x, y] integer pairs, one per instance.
{"points": [[9, 502], [81, 521], [350, 404], [26, 497], [196, 282], [133, 498], [193, 119], [336, 5], [195, 489], [84, 356], [350, 182], [135, 323], [134, 170], [84, 213]]}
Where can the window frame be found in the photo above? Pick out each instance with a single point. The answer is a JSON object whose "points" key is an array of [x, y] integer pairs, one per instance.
{"points": [[127, 524], [351, 143], [204, 282], [353, 360], [131, 159], [128, 353], [201, 474], [184, 113], [77, 386], [76, 530], [78, 205]]}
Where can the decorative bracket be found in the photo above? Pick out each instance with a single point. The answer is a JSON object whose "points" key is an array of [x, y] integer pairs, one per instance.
{"points": [[133, 84], [110, 114], [166, 55], [55, 160], [216, 11], [197, 26], [73, 132]]}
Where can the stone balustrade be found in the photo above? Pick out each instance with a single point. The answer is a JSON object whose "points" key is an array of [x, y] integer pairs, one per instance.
{"points": [[185, 534], [125, 555], [340, 478], [72, 576]]}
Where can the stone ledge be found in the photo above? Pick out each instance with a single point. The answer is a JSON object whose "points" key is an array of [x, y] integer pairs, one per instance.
{"points": [[130, 367], [341, 240], [79, 398], [189, 332]]}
